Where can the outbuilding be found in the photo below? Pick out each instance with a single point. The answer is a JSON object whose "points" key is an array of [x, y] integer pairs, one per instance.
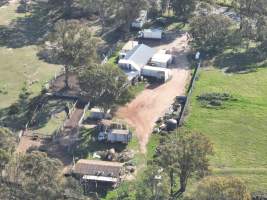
{"points": [[141, 20], [162, 60], [98, 172], [137, 58], [119, 135]]}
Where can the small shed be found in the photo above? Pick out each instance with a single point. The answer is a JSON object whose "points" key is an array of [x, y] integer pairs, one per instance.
{"points": [[162, 60], [98, 114], [98, 171], [119, 135], [141, 20]]}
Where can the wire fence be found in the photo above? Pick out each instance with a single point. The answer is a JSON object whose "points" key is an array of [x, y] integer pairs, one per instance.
{"points": [[189, 94]]}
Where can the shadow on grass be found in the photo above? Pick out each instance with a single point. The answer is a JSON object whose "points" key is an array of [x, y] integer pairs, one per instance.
{"points": [[20, 113], [29, 30], [89, 144], [242, 62]]}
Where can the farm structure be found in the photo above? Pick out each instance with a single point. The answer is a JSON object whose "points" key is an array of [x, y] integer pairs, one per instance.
{"points": [[113, 132], [98, 173], [137, 58], [140, 21], [136, 62], [161, 59]]}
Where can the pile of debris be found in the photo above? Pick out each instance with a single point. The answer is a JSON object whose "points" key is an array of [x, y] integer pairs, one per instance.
{"points": [[169, 122], [126, 157]]}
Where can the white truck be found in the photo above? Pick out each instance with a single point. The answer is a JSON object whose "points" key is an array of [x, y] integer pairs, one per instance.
{"points": [[150, 34], [158, 73]]}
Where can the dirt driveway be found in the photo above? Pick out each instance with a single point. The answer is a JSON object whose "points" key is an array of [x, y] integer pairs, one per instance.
{"points": [[152, 103]]}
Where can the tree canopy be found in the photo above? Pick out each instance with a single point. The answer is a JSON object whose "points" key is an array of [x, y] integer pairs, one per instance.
{"points": [[210, 32], [73, 45], [103, 84], [223, 188], [183, 156]]}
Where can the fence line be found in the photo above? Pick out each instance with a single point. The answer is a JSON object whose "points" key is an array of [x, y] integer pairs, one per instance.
{"points": [[109, 54], [189, 93], [84, 111]]}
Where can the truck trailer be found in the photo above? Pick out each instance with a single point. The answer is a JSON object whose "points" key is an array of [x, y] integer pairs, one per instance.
{"points": [[150, 34], [156, 73]]}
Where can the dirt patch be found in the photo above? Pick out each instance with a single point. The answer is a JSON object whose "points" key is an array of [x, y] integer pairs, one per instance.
{"points": [[153, 102]]}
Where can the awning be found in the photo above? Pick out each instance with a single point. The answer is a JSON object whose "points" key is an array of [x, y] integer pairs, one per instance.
{"points": [[100, 178]]}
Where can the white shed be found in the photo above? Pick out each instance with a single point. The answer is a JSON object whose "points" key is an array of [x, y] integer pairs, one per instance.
{"points": [[141, 20], [162, 60], [119, 135], [137, 58]]}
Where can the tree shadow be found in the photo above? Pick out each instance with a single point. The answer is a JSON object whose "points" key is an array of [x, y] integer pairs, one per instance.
{"points": [[47, 110], [37, 112], [18, 114], [31, 29], [3, 2], [242, 62]]}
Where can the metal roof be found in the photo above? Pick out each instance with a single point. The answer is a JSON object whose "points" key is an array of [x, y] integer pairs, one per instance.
{"points": [[138, 56], [97, 168], [161, 58]]}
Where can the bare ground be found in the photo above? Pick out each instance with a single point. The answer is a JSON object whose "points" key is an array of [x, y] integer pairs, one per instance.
{"points": [[153, 102]]}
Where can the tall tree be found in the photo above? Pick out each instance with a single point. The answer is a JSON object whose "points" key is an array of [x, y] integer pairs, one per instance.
{"points": [[103, 84], [74, 45], [154, 185], [223, 188], [7, 146], [35, 176], [183, 8], [184, 156], [210, 33], [129, 10], [106, 9]]}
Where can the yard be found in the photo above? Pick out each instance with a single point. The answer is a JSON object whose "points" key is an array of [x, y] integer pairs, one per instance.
{"points": [[238, 130]]}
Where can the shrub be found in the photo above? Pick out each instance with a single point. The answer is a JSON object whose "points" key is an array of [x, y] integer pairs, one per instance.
{"points": [[214, 100]]}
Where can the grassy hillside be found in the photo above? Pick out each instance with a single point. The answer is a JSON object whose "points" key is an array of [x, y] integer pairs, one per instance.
{"points": [[239, 130], [20, 63]]}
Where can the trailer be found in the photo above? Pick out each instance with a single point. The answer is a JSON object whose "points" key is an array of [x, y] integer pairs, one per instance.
{"points": [[157, 73], [150, 34]]}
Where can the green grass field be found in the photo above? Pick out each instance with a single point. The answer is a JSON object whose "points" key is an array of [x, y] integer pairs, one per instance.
{"points": [[238, 131], [19, 65]]}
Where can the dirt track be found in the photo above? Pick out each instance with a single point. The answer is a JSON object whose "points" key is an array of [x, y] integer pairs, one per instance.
{"points": [[152, 103]]}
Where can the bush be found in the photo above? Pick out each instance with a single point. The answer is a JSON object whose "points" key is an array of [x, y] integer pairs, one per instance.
{"points": [[214, 99]]}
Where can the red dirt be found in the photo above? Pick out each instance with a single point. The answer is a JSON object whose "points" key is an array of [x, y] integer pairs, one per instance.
{"points": [[151, 104]]}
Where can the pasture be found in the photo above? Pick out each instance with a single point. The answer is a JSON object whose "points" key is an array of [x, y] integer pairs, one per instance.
{"points": [[19, 63], [238, 130]]}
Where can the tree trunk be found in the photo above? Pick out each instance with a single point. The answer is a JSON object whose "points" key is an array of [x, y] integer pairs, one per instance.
{"points": [[183, 183], [172, 181], [67, 8], [66, 77]]}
